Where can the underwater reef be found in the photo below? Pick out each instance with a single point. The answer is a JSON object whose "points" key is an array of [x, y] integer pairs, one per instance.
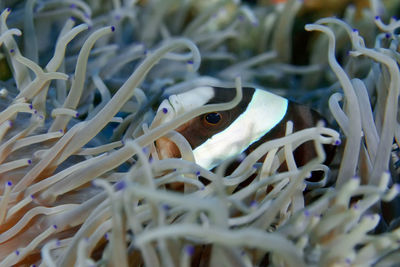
{"points": [[82, 179]]}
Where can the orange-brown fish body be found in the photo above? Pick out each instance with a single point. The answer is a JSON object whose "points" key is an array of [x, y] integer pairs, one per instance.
{"points": [[214, 137]]}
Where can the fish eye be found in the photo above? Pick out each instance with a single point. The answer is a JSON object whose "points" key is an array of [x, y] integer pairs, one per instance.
{"points": [[212, 118]]}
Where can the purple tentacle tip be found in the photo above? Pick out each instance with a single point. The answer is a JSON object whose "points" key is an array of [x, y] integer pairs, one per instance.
{"points": [[54, 226], [29, 161], [189, 250], [30, 106], [198, 173], [388, 35], [165, 207], [12, 50], [17, 252], [253, 203], [8, 9], [77, 115], [338, 142], [165, 110], [190, 62], [120, 185], [307, 213], [72, 6], [112, 28], [9, 183], [32, 196], [377, 17]]}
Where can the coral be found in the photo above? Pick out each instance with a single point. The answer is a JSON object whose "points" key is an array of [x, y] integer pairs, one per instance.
{"points": [[82, 183]]}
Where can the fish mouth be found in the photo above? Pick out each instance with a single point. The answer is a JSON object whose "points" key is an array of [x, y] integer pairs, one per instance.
{"points": [[165, 147]]}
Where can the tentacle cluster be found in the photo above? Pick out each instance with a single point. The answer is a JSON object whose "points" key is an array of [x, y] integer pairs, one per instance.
{"points": [[80, 179]]}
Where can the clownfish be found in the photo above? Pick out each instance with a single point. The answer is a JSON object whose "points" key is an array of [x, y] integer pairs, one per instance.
{"points": [[216, 136]]}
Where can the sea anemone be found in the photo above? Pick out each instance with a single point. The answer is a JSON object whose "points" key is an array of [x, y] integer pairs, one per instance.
{"points": [[81, 179]]}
